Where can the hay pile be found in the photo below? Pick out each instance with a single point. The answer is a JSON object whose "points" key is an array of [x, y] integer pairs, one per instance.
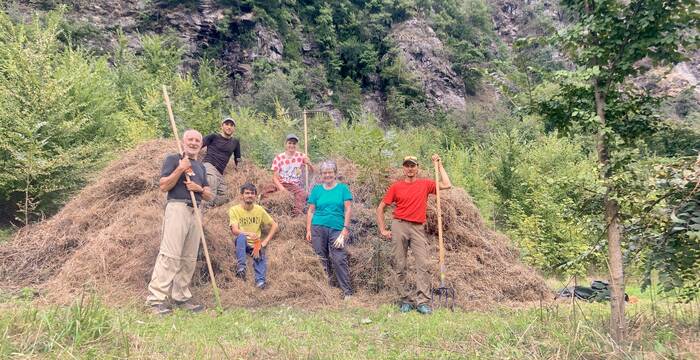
{"points": [[107, 237]]}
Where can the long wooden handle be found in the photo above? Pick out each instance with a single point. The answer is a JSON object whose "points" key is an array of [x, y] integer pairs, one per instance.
{"points": [[197, 214], [441, 245], [306, 150], [172, 121]]}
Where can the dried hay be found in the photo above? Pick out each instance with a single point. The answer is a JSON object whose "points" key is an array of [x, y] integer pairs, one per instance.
{"points": [[107, 238]]}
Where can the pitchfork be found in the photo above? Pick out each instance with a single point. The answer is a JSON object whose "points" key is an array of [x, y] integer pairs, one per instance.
{"points": [[445, 294]]}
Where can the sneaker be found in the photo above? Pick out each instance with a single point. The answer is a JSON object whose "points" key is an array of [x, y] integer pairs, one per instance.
{"points": [[195, 308], [160, 309], [240, 273], [260, 285], [347, 297], [424, 309], [405, 307]]}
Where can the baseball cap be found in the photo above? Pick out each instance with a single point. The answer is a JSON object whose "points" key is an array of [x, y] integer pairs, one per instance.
{"points": [[228, 119], [292, 137], [410, 159]]}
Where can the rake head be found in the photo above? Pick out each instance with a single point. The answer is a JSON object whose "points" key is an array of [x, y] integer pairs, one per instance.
{"points": [[443, 296]]}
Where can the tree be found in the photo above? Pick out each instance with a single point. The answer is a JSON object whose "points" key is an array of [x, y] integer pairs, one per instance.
{"points": [[664, 223], [607, 41], [327, 40], [55, 104]]}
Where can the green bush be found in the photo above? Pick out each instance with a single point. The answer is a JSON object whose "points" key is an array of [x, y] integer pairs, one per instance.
{"points": [[274, 88], [54, 104], [262, 135], [542, 191], [348, 98]]}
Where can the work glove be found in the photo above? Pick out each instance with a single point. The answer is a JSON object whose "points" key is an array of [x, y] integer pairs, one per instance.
{"points": [[257, 245], [339, 242]]}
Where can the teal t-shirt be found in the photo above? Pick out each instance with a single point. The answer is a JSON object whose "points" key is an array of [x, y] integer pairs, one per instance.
{"points": [[330, 208]]}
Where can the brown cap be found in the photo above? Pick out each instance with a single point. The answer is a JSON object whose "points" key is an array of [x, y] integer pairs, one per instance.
{"points": [[410, 159]]}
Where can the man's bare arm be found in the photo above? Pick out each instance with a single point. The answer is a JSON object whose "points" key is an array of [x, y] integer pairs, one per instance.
{"points": [[271, 233], [278, 183], [380, 221], [168, 182]]}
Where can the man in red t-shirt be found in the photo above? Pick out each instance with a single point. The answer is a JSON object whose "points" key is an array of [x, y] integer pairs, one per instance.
{"points": [[411, 198]]}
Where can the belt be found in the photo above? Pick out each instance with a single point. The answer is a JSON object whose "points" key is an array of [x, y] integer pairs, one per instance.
{"points": [[186, 202], [410, 222]]}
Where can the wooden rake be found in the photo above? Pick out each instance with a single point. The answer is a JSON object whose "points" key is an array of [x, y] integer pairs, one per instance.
{"points": [[443, 295]]}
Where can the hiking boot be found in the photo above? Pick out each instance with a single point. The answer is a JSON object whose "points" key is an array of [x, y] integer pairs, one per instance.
{"points": [[405, 307], [189, 306], [424, 309], [240, 273], [160, 309], [260, 284]]}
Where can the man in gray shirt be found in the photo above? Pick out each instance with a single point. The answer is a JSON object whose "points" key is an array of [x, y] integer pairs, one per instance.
{"points": [[179, 243]]}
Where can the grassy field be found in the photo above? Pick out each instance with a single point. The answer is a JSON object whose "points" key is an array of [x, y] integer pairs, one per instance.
{"points": [[88, 329]]}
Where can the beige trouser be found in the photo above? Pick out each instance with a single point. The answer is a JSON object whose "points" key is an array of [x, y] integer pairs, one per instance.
{"points": [[218, 187], [177, 257], [405, 234]]}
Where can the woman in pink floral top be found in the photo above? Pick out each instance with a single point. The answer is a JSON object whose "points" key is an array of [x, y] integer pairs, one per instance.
{"points": [[287, 172]]}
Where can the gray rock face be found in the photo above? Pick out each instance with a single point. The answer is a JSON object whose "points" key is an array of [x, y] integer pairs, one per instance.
{"points": [[514, 19], [683, 76], [372, 103], [268, 45], [425, 57], [199, 25], [100, 17]]}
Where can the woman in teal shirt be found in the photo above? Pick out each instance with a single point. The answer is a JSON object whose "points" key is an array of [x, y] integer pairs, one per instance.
{"points": [[327, 221]]}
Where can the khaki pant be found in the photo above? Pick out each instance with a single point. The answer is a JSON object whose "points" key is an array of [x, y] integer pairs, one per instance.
{"points": [[405, 234], [177, 258], [218, 187]]}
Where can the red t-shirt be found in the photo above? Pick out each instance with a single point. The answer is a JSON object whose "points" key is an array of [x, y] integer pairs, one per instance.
{"points": [[411, 199]]}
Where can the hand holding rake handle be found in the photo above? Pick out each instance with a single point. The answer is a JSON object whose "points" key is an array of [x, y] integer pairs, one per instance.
{"points": [[445, 294], [197, 214]]}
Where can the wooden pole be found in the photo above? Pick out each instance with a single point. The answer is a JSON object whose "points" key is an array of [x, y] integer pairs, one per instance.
{"points": [[306, 149], [439, 224], [197, 214]]}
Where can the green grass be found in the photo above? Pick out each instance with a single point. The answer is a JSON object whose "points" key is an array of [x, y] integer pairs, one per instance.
{"points": [[89, 329]]}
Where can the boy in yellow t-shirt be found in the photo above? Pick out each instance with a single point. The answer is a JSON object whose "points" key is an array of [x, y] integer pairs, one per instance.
{"points": [[246, 221]]}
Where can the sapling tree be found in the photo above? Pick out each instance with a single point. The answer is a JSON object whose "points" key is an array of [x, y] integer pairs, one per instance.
{"points": [[611, 42]]}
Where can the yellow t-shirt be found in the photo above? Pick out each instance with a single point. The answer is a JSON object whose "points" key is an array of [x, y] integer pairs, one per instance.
{"points": [[250, 221]]}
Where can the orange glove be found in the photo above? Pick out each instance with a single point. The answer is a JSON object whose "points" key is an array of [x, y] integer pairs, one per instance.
{"points": [[257, 245]]}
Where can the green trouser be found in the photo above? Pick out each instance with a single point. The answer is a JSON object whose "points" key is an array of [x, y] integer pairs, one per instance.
{"points": [[405, 234], [177, 258]]}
